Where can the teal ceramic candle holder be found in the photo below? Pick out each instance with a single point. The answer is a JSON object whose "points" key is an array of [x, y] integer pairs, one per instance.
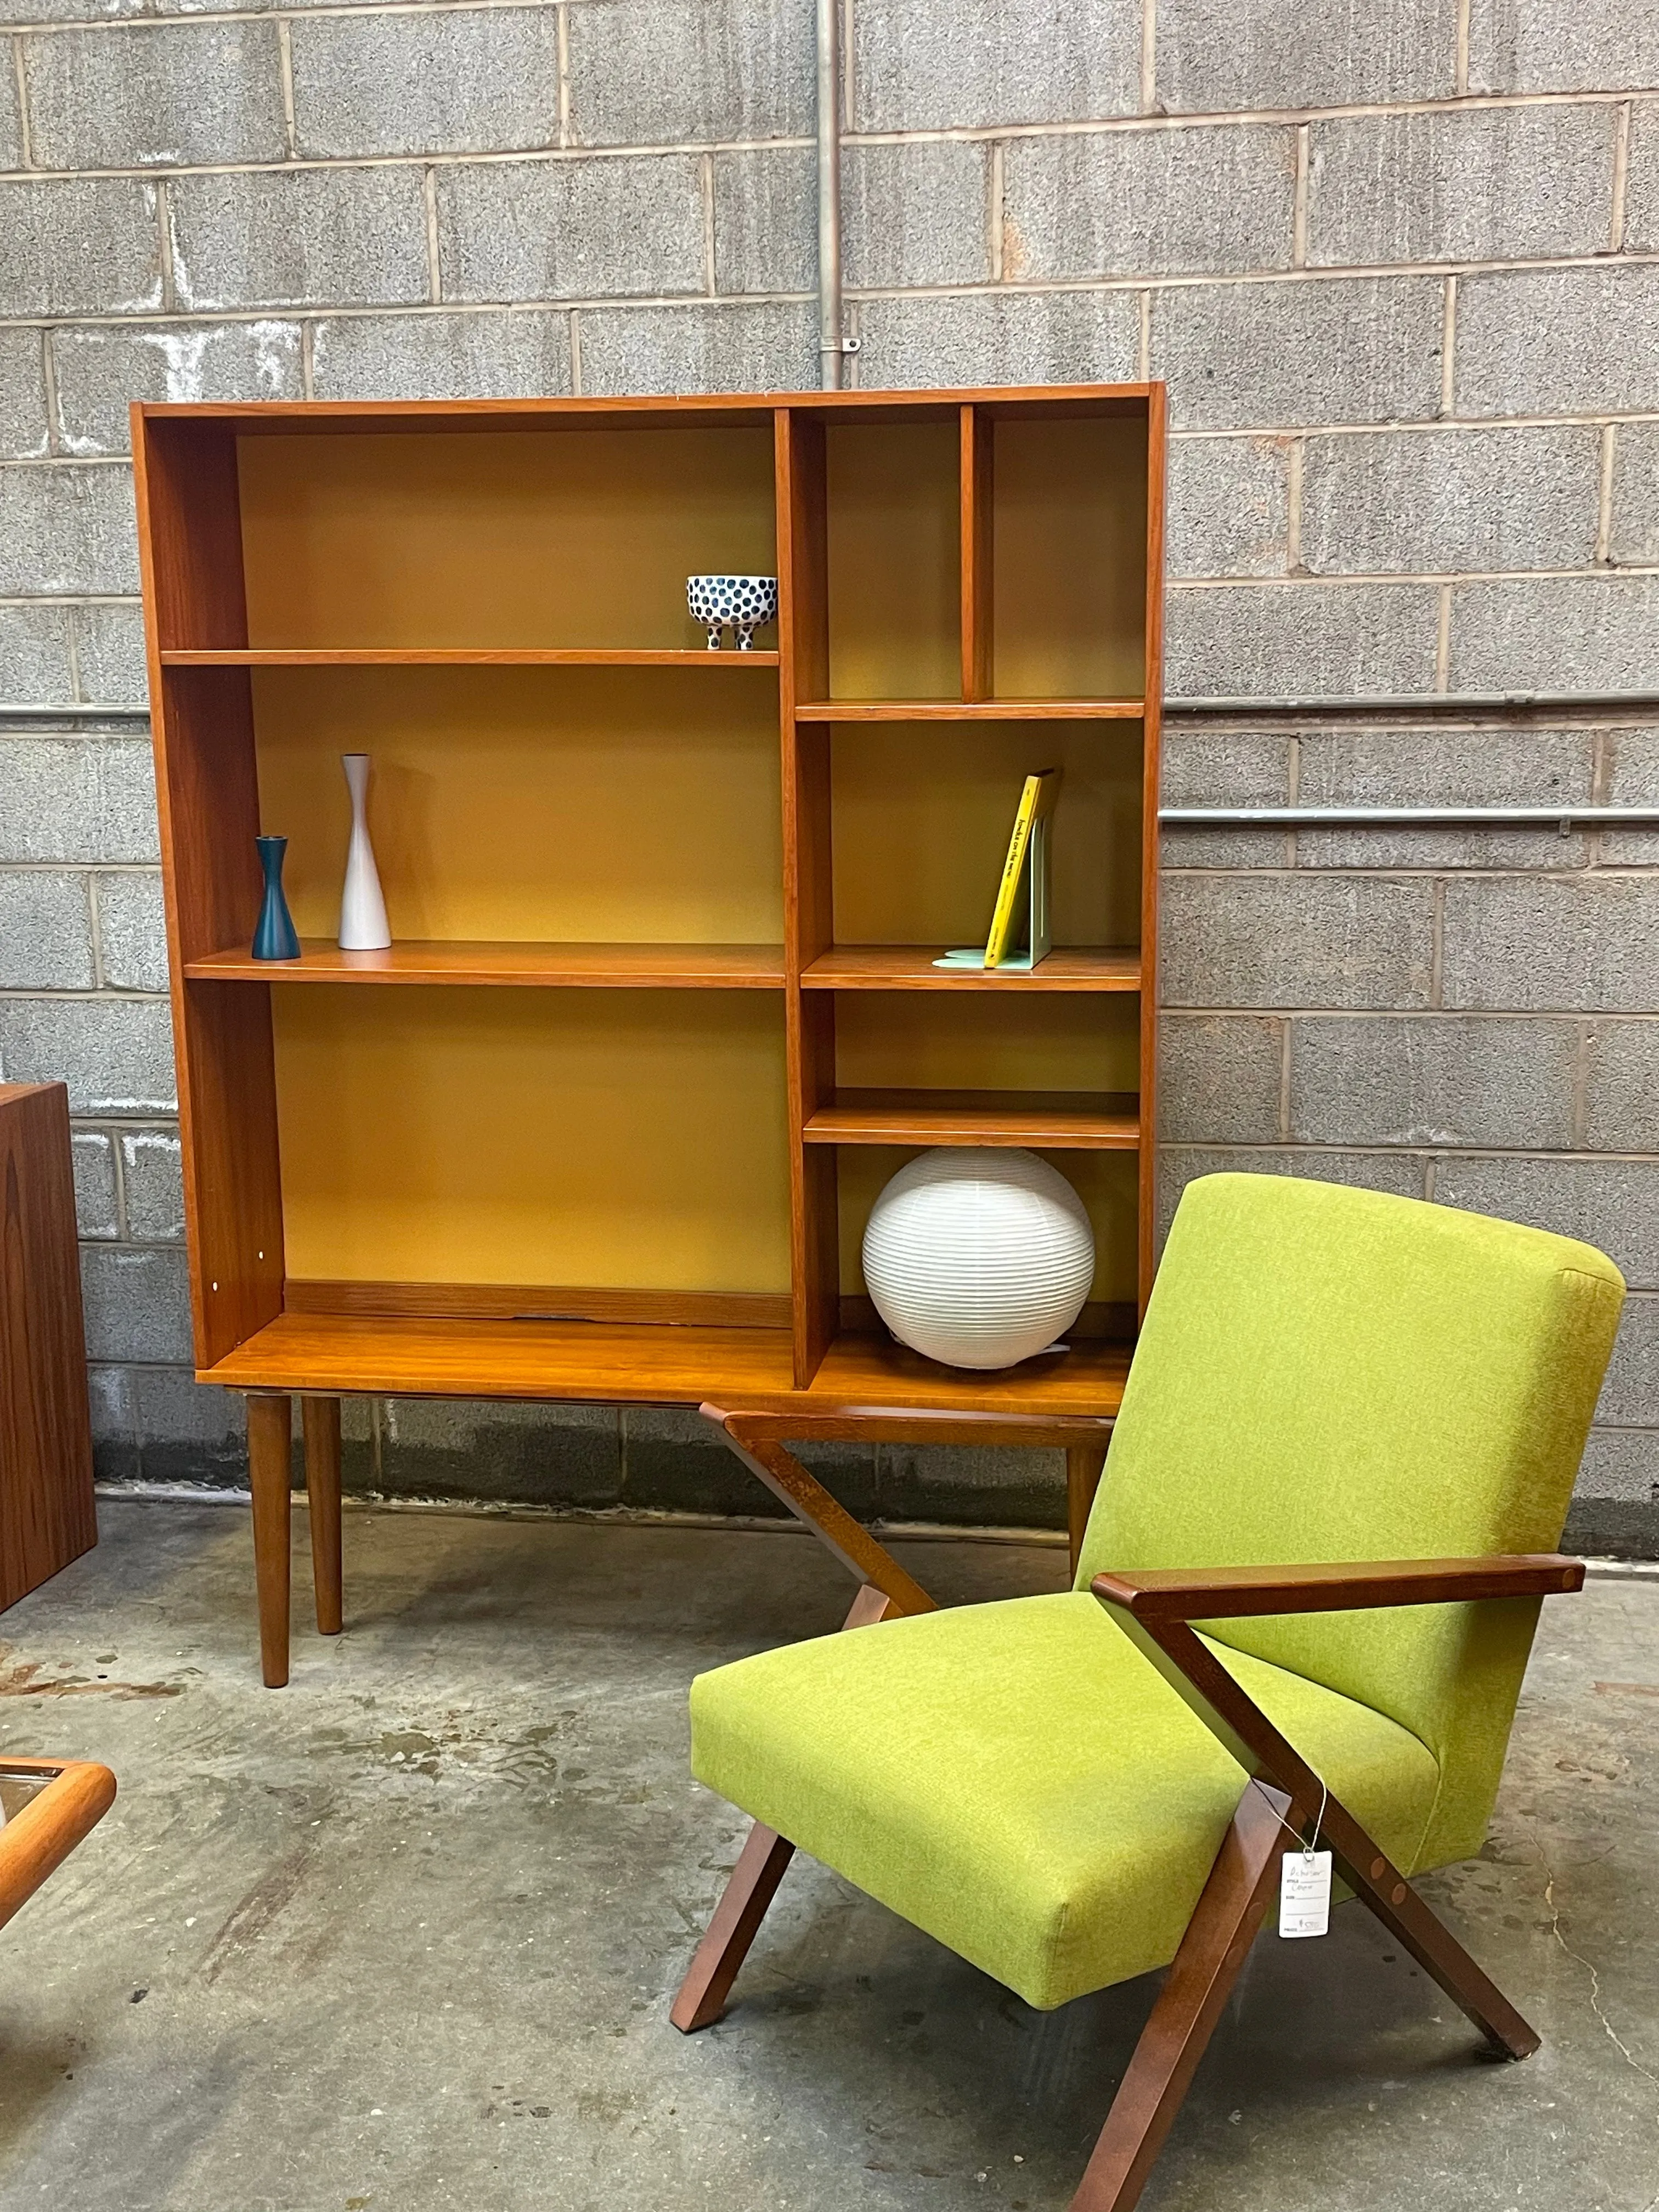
{"points": [[275, 937]]}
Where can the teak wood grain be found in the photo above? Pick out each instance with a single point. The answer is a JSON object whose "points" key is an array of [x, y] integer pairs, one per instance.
{"points": [[460, 656], [978, 547], [625, 1364], [1198, 1677], [1282, 1794], [910, 968], [824, 1421], [1074, 1120], [970, 710], [37, 1840], [320, 1420], [802, 481], [48, 1516], [1240, 1593], [270, 1467], [280, 418], [801, 1493], [520, 963], [1229, 1911], [1152, 755], [207, 801]]}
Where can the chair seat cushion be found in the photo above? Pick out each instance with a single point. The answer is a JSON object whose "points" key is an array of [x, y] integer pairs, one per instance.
{"points": [[1017, 1780]]}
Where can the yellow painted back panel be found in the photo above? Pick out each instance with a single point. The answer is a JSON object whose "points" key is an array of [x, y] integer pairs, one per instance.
{"points": [[1009, 1039], [562, 538], [1070, 558], [895, 528], [922, 817], [627, 1139], [610, 804]]}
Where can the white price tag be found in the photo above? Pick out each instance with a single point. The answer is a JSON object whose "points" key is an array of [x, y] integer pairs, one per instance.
{"points": [[1305, 1893]]}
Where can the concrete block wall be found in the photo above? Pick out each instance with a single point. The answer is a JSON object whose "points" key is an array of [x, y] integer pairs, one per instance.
{"points": [[1400, 264]]}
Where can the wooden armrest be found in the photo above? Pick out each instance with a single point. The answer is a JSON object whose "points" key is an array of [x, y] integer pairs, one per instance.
{"points": [[1231, 1592], [836, 1422], [37, 1840]]}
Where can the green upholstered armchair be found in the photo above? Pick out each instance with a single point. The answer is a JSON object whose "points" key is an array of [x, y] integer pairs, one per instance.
{"points": [[1312, 1572]]}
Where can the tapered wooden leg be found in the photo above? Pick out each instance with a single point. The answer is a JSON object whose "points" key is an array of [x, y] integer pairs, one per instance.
{"points": [[760, 1868], [270, 1445], [1218, 1937], [320, 1418], [1083, 1466]]}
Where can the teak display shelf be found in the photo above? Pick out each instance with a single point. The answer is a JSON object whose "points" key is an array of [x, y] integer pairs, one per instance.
{"points": [[667, 1017]]}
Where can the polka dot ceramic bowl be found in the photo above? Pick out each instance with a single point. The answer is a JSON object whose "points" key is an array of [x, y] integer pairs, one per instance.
{"points": [[744, 602]]}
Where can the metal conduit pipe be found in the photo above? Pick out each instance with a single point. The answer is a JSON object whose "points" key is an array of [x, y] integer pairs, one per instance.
{"points": [[1394, 818], [72, 710], [832, 348], [1430, 703], [1432, 707]]}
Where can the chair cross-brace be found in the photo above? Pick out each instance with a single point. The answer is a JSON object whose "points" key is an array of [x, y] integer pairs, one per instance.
{"points": [[758, 1434], [1156, 1610]]}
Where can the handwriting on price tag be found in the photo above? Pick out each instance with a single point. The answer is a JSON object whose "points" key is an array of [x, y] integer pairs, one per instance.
{"points": [[1305, 1893]]}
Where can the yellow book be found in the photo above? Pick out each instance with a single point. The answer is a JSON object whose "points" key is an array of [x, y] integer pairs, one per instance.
{"points": [[1036, 804]]}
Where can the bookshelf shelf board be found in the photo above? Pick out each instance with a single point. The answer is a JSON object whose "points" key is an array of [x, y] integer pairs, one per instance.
{"points": [[457, 656], [859, 1368], [632, 1362], [445, 1357], [593, 967], [910, 968], [1063, 1121], [969, 710]]}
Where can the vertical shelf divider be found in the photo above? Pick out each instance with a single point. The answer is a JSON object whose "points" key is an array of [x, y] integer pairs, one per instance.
{"points": [[808, 897], [977, 553], [190, 537], [1152, 694]]}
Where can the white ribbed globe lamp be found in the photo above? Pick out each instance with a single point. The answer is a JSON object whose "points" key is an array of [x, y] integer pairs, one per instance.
{"points": [[978, 1257]]}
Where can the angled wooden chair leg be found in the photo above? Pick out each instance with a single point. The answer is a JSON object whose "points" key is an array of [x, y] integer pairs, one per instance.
{"points": [[1416, 1929], [1197, 1675], [760, 1866], [1218, 1937]]}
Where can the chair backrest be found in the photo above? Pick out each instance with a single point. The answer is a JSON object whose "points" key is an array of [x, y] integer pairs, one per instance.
{"points": [[1330, 1374]]}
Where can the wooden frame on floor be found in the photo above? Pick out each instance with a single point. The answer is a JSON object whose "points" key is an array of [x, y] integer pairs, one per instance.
{"points": [[37, 1839]]}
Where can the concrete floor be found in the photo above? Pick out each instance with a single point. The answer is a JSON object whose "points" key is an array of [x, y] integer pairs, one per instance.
{"points": [[403, 1936]]}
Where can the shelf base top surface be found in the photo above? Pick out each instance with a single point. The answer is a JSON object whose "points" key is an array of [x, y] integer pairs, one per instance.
{"points": [[642, 1363]]}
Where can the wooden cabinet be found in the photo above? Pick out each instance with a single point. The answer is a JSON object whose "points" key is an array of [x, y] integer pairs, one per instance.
{"points": [[661, 1017], [46, 1513]]}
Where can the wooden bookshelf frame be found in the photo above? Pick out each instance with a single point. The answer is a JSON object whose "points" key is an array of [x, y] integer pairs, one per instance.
{"points": [[260, 1331]]}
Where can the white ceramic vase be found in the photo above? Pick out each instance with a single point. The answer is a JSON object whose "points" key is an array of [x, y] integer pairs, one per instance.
{"points": [[362, 908], [978, 1257]]}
